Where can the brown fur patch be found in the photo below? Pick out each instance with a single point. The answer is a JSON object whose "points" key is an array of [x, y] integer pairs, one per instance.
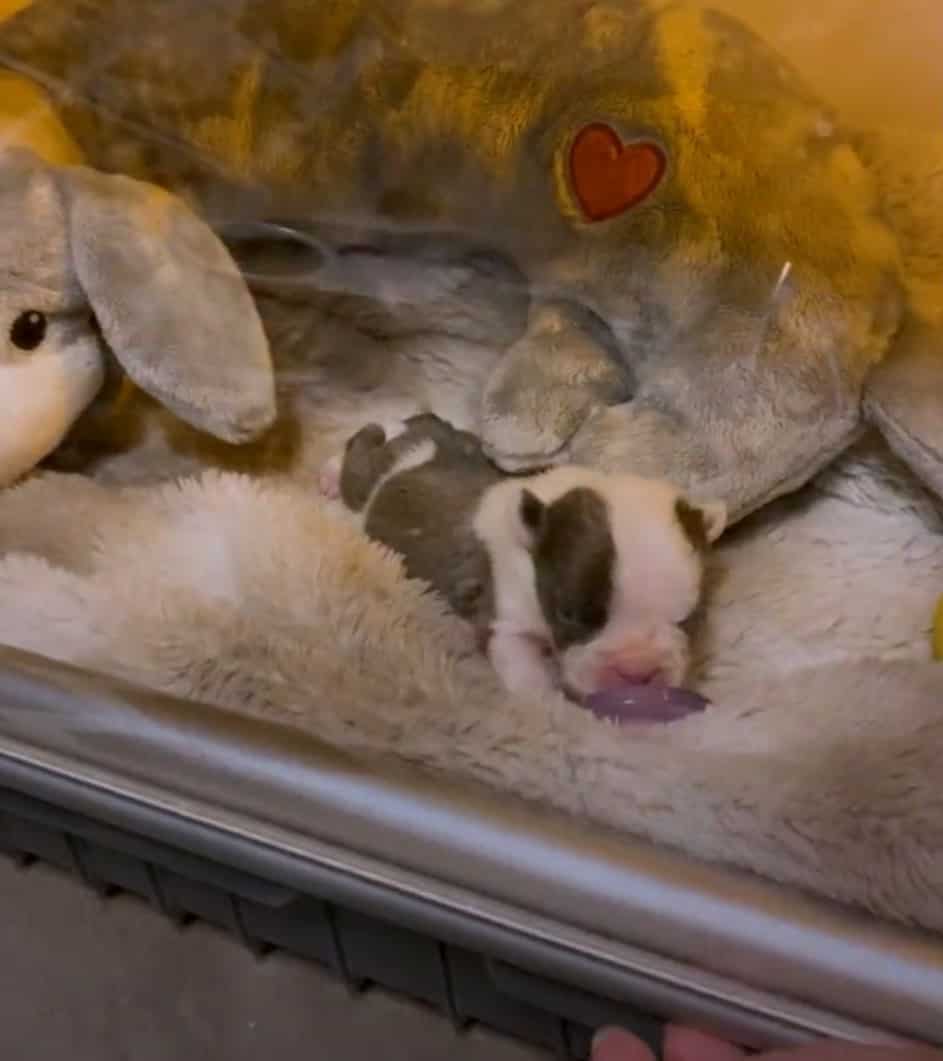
{"points": [[122, 416], [574, 558]]}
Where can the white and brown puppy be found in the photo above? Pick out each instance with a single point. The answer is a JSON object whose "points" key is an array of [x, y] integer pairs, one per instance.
{"points": [[571, 577]]}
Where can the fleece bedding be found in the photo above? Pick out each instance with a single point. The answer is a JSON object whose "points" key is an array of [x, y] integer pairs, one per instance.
{"points": [[220, 574]]}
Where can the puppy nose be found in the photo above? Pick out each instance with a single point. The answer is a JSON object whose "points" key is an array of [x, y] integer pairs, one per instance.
{"points": [[614, 676]]}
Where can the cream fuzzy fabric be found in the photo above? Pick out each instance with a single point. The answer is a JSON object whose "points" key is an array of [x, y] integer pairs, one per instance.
{"points": [[817, 765]]}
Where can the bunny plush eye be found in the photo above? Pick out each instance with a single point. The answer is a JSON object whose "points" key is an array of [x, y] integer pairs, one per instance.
{"points": [[29, 330]]}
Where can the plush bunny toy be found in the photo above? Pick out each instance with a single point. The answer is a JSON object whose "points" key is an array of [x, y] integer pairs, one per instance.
{"points": [[91, 261]]}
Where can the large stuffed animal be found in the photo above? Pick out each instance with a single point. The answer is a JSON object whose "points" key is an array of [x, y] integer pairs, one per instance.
{"points": [[715, 280]]}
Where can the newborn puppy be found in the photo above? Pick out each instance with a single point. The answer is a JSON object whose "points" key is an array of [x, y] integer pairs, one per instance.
{"points": [[572, 578], [607, 569]]}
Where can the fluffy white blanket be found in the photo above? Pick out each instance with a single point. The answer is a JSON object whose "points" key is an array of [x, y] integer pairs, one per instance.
{"points": [[817, 764]]}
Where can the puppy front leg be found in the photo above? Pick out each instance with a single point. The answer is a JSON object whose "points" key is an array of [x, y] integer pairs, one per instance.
{"points": [[521, 664]]}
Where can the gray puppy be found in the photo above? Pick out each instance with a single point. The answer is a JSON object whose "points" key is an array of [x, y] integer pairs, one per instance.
{"points": [[418, 494], [570, 577]]}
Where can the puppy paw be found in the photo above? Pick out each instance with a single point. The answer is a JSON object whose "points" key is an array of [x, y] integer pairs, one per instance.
{"points": [[329, 479]]}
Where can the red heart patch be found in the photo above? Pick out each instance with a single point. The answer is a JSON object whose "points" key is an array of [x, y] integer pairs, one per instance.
{"points": [[610, 177]]}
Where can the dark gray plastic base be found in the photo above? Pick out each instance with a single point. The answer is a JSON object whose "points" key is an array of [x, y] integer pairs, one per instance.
{"points": [[487, 909], [465, 985]]}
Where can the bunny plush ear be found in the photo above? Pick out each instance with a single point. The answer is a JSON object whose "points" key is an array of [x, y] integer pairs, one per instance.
{"points": [[903, 393], [904, 400], [171, 303]]}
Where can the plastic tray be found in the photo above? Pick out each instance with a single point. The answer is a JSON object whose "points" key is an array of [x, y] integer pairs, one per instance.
{"points": [[491, 912]]}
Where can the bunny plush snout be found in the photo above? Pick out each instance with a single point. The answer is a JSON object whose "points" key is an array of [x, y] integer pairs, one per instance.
{"points": [[51, 355], [51, 367]]}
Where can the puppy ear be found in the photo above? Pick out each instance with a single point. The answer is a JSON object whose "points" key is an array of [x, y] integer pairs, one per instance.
{"points": [[703, 523], [715, 519], [531, 515], [903, 398]]}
